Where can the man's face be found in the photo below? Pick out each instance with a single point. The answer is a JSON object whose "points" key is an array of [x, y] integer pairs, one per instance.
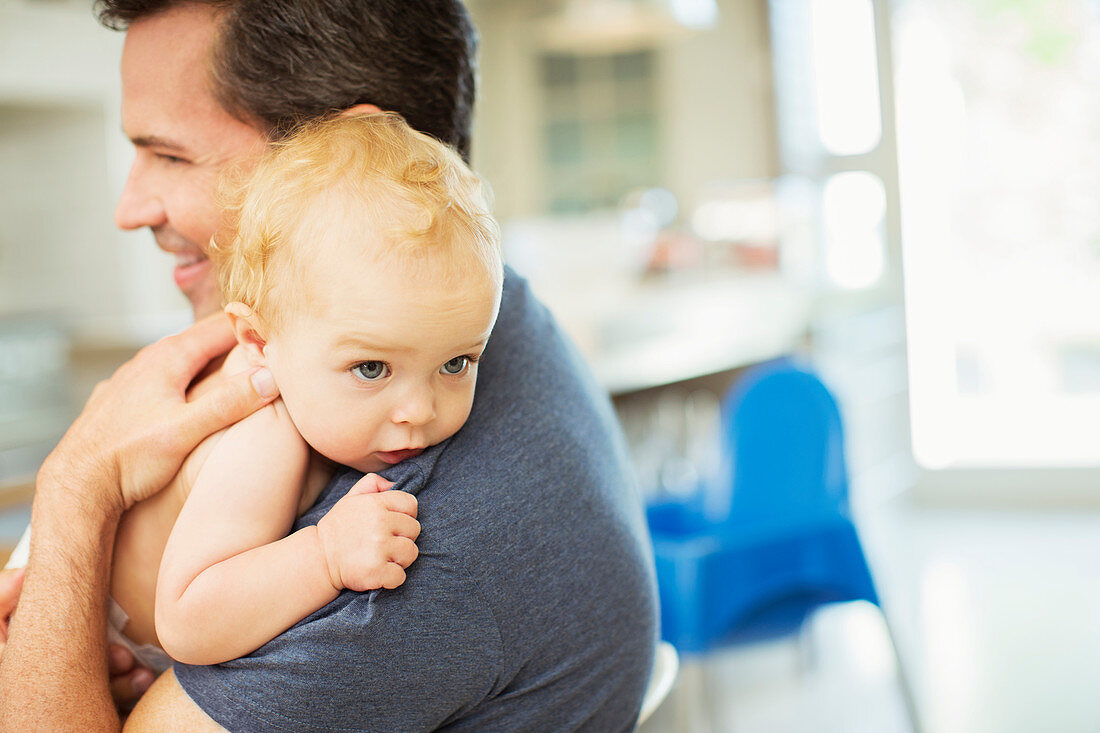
{"points": [[183, 140]]}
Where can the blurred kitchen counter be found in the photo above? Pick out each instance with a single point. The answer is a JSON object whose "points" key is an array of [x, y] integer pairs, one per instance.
{"points": [[661, 330]]}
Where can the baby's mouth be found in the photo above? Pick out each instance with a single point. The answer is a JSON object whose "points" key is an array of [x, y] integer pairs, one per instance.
{"points": [[397, 456]]}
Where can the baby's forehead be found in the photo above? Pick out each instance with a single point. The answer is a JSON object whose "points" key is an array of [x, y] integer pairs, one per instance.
{"points": [[343, 236], [391, 305], [361, 264]]}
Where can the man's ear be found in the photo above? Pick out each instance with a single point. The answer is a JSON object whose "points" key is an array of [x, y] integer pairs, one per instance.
{"points": [[360, 109], [250, 330]]}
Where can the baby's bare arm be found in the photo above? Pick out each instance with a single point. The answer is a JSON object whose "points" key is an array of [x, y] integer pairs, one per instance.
{"points": [[230, 579]]}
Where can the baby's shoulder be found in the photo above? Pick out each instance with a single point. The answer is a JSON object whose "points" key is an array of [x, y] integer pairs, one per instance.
{"points": [[268, 429], [273, 419], [269, 432]]}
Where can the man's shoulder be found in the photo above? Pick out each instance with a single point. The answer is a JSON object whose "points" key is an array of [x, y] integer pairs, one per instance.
{"points": [[532, 377]]}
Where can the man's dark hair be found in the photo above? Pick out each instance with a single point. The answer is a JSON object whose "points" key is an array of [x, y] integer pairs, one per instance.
{"points": [[277, 63]]}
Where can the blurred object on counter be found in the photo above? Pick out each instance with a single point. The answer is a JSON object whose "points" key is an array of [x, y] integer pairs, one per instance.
{"points": [[670, 249], [675, 251], [739, 223], [583, 252]]}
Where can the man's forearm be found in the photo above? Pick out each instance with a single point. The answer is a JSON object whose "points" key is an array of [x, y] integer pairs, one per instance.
{"points": [[126, 444], [53, 674]]}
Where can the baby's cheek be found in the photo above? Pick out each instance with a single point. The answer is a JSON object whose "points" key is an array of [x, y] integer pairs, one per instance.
{"points": [[456, 417], [321, 437], [350, 441]]}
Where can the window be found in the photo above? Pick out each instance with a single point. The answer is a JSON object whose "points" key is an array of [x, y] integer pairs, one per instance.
{"points": [[998, 151], [600, 136]]}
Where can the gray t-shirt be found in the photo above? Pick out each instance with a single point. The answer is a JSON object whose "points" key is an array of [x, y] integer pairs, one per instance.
{"points": [[532, 605]]}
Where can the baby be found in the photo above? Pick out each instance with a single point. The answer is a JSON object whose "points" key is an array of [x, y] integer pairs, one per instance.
{"points": [[361, 266]]}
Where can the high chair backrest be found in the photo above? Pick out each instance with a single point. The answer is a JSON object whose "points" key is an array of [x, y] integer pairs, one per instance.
{"points": [[783, 432]]}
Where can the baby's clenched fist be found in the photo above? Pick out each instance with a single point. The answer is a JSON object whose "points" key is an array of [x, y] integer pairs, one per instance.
{"points": [[369, 537]]}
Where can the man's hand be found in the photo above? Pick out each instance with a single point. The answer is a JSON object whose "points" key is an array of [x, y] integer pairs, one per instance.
{"points": [[138, 427], [129, 681], [11, 582], [369, 537]]}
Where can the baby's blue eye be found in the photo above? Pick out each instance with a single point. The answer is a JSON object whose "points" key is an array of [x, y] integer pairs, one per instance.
{"points": [[370, 371], [455, 366]]}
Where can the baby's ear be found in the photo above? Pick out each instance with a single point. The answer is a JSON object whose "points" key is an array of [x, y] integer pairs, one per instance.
{"points": [[249, 329]]}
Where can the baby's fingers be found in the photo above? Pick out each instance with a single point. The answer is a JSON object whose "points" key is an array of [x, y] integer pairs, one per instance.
{"points": [[403, 525], [400, 501], [393, 575], [403, 551], [372, 483]]}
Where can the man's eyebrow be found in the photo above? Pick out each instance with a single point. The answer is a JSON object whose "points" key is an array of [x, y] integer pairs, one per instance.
{"points": [[152, 141]]}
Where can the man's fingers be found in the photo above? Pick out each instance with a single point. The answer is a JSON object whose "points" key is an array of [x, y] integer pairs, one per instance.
{"points": [[128, 680], [127, 688], [119, 660], [240, 396], [208, 338], [11, 585]]}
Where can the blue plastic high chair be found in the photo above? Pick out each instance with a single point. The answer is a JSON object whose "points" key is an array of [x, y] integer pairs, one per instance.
{"points": [[781, 543]]}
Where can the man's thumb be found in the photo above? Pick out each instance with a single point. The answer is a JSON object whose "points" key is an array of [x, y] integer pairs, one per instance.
{"points": [[263, 383], [240, 396]]}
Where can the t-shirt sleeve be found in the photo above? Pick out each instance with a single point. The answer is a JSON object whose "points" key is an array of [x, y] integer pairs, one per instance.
{"points": [[409, 659]]}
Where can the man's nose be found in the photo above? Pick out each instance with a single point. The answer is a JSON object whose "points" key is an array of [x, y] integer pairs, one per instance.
{"points": [[416, 406], [138, 206]]}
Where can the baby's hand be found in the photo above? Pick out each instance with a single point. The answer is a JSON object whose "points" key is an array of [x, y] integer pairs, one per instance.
{"points": [[368, 537]]}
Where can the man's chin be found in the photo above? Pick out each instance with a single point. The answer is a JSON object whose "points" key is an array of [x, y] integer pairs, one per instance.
{"points": [[204, 304]]}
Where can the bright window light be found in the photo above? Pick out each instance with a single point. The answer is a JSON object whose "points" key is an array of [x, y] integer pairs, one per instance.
{"points": [[998, 185], [846, 75], [853, 208]]}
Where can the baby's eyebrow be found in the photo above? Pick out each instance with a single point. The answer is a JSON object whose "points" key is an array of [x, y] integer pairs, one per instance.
{"points": [[357, 342], [363, 343]]}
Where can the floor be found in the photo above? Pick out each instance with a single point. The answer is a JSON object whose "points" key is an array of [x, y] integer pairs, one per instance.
{"points": [[997, 616]]}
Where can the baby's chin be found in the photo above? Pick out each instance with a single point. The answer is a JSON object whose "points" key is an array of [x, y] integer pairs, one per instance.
{"points": [[369, 464]]}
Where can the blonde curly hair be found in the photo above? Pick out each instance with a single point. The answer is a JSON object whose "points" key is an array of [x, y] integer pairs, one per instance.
{"points": [[416, 193]]}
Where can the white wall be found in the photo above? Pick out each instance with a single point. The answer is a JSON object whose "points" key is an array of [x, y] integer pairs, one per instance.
{"points": [[63, 161], [57, 244]]}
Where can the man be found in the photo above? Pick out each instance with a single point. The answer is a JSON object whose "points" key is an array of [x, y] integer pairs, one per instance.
{"points": [[531, 606]]}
